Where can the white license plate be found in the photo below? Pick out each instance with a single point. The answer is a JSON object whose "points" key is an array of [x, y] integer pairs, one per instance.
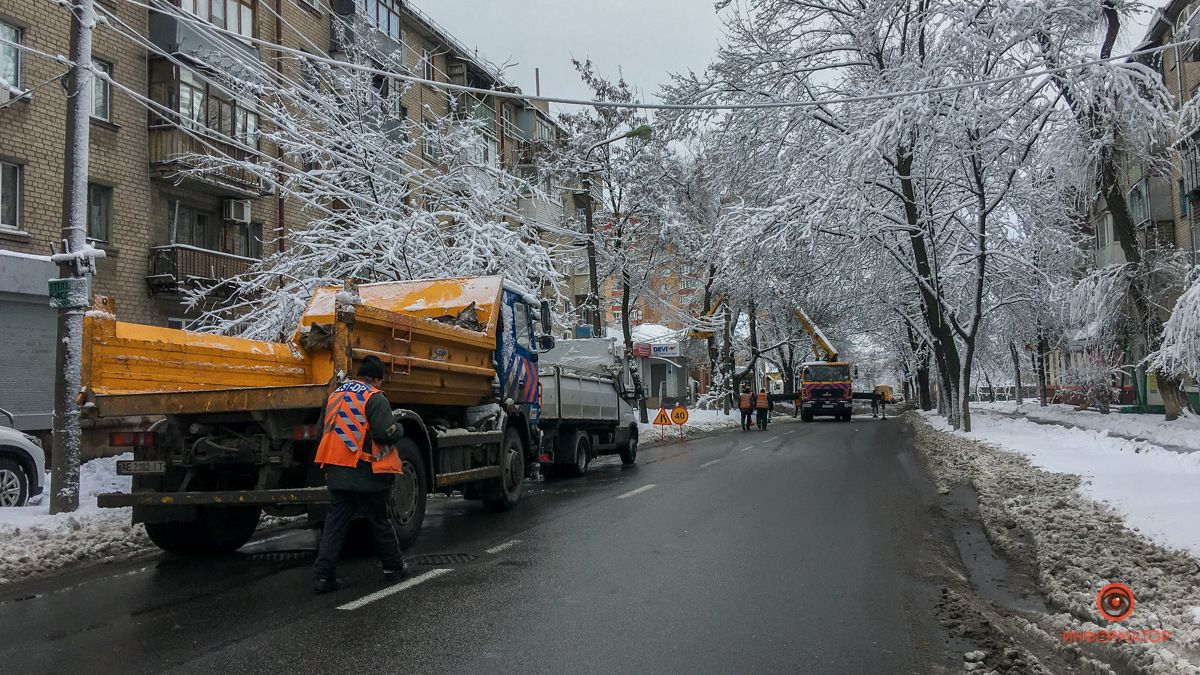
{"points": [[140, 467]]}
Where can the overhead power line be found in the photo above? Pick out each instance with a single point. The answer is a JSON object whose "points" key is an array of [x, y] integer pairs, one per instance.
{"points": [[765, 105]]}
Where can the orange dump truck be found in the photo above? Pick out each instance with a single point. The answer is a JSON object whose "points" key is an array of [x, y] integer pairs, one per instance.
{"points": [[240, 419]]}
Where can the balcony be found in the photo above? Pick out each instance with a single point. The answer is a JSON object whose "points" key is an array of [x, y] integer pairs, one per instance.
{"points": [[176, 156], [177, 268], [220, 53]]}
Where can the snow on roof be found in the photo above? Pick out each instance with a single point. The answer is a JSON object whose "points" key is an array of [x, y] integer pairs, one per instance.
{"points": [[654, 333]]}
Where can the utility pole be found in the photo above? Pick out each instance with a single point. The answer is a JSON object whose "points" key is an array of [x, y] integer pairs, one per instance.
{"points": [[590, 245], [69, 293]]}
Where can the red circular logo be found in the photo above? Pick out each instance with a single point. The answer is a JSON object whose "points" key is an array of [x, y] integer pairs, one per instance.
{"points": [[1115, 602]]}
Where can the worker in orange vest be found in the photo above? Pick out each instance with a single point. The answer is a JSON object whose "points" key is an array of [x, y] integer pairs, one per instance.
{"points": [[360, 465], [746, 405], [762, 403]]}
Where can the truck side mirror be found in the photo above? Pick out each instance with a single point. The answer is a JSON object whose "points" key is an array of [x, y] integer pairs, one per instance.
{"points": [[545, 343], [544, 316]]}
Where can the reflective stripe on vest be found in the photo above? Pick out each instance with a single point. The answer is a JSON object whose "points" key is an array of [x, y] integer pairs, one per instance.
{"points": [[763, 402], [346, 439]]}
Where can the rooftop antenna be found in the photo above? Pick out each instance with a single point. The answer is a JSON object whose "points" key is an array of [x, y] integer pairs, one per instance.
{"points": [[537, 81]]}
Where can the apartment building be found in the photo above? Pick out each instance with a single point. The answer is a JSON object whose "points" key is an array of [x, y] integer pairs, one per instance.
{"points": [[165, 228]]}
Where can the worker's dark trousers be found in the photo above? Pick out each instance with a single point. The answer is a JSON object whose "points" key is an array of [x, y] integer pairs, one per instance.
{"points": [[762, 419], [345, 507], [747, 417]]}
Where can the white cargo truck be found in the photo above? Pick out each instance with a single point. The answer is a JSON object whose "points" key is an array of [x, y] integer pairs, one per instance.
{"points": [[588, 406]]}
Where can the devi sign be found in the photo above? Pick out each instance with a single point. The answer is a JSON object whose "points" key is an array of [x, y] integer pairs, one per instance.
{"points": [[663, 351]]}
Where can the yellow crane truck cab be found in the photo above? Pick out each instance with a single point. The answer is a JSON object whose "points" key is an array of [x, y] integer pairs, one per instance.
{"points": [[239, 420]]}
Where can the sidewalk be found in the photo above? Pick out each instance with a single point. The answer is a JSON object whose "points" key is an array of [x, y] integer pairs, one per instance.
{"points": [[1182, 435]]}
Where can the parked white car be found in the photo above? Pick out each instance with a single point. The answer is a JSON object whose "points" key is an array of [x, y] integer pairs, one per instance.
{"points": [[22, 465]]}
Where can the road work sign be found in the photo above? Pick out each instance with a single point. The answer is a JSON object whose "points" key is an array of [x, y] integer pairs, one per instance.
{"points": [[679, 415], [663, 419]]}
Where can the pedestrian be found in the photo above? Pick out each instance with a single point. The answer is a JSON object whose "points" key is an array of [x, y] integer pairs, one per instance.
{"points": [[746, 406], [360, 463], [883, 394], [763, 405]]}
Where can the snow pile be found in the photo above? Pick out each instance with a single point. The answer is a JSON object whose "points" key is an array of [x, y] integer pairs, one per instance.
{"points": [[35, 543], [1076, 544], [1182, 433], [699, 422]]}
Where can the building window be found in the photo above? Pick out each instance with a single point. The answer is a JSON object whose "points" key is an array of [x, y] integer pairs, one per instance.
{"points": [[1183, 199], [427, 64], [384, 14], [194, 227], [203, 106], [10, 56], [236, 16], [251, 240], [545, 132], [99, 219], [430, 145], [10, 196], [102, 91]]}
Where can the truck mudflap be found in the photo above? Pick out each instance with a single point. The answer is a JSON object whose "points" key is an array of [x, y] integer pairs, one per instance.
{"points": [[311, 495]]}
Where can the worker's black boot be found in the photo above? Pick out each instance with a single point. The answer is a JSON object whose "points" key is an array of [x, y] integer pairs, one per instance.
{"points": [[325, 584], [396, 574]]}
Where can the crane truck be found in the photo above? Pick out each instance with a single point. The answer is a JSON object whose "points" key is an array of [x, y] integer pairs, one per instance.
{"points": [[239, 419], [825, 387]]}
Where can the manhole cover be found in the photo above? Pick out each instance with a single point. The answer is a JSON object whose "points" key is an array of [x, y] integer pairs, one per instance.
{"points": [[281, 556], [442, 559]]}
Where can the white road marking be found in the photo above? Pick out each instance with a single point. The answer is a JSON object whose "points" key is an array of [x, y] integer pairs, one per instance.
{"points": [[503, 547], [267, 539], [640, 490], [402, 586], [709, 463], [748, 447]]}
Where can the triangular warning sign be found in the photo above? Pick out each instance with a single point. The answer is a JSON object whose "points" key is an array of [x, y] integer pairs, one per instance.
{"points": [[662, 419]]}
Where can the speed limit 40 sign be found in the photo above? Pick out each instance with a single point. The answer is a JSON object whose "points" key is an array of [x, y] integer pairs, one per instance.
{"points": [[679, 415]]}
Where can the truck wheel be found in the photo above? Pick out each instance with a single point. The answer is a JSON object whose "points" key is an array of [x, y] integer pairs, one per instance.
{"points": [[406, 503], [227, 528], [174, 536], [629, 451], [582, 452], [512, 473], [806, 417]]}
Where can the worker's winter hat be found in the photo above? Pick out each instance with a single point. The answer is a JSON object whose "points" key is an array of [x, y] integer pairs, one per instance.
{"points": [[371, 367]]}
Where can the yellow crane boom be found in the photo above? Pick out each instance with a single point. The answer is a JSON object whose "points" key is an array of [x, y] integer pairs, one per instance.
{"points": [[821, 342]]}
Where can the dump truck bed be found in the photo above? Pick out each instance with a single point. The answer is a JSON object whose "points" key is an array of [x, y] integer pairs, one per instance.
{"points": [[131, 369]]}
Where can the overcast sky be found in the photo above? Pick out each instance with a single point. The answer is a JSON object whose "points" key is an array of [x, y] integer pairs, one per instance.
{"points": [[646, 39]]}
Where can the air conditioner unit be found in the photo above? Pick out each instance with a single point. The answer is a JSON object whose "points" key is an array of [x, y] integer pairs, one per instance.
{"points": [[237, 210]]}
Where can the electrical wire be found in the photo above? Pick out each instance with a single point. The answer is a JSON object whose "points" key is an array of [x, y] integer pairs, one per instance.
{"points": [[766, 105]]}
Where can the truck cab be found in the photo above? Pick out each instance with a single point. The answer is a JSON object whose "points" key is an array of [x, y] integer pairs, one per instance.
{"points": [[825, 390]]}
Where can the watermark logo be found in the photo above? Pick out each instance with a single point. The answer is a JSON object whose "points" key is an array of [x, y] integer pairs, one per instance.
{"points": [[1115, 602]]}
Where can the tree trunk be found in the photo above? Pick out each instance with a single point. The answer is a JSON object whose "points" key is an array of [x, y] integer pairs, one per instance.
{"points": [[1174, 398], [729, 377], [1016, 358], [1039, 364], [627, 331]]}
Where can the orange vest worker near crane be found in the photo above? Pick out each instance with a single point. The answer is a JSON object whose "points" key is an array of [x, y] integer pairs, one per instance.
{"points": [[360, 464], [746, 405]]}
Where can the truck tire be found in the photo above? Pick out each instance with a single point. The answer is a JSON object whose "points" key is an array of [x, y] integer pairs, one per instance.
{"points": [[581, 450], [225, 529], [406, 502], [629, 450], [174, 536], [512, 474], [806, 417], [216, 529]]}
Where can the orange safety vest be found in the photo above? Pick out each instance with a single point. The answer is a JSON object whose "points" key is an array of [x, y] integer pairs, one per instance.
{"points": [[763, 402], [346, 439], [744, 401]]}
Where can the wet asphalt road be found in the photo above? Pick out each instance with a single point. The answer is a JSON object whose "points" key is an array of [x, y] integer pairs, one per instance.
{"points": [[797, 549]]}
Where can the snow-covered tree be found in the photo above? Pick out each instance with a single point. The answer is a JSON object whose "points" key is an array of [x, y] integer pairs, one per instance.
{"points": [[388, 198]]}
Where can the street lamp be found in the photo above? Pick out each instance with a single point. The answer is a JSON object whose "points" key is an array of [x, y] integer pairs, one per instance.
{"points": [[644, 132]]}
